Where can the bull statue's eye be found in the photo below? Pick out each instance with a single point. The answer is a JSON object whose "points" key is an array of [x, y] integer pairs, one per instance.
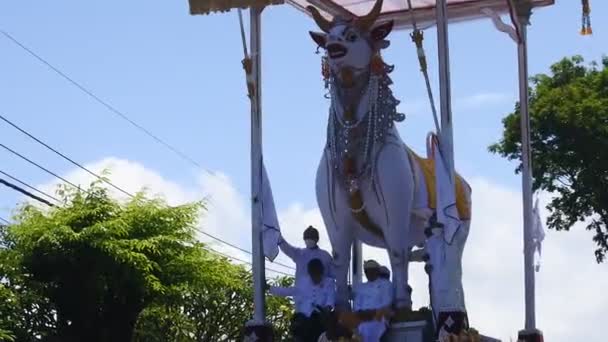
{"points": [[351, 36]]}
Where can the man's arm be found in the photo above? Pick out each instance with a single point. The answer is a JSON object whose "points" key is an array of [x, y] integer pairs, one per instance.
{"points": [[283, 291], [292, 252], [331, 268], [331, 293]]}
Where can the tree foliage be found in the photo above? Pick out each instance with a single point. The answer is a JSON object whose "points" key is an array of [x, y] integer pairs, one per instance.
{"points": [[569, 138], [96, 269]]}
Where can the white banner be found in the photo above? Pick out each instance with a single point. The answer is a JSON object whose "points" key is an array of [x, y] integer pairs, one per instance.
{"points": [[271, 231], [447, 212], [538, 234]]}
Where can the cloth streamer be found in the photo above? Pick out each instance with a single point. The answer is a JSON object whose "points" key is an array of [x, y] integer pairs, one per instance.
{"points": [[271, 231], [447, 211]]}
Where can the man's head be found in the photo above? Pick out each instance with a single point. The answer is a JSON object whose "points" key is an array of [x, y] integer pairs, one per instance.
{"points": [[311, 237], [385, 273], [371, 269], [316, 270], [351, 43]]}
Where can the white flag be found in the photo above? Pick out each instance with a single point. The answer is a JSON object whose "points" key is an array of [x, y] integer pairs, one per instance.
{"points": [[447, 212], [538, 233], [271, 231]]}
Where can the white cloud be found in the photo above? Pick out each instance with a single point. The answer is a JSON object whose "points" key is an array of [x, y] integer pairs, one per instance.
{"points": [[570, 301]]}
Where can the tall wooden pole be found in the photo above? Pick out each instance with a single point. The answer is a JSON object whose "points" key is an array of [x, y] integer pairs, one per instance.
{"points": [[445, 93], [530, 333], [258, 262]]}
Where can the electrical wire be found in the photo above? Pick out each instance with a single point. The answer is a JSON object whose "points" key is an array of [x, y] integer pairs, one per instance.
{"points": [[29, 186], [25, 192], [38, 165], [38, 140], [31, 136], [116, 112], [14, 187], [106, 104]]}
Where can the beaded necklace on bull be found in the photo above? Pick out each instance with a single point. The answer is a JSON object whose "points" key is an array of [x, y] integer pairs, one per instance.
{"points": [[345, 132]]}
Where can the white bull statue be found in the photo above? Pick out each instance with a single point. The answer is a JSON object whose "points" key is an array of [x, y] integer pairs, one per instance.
{"points": [[370, 186]]}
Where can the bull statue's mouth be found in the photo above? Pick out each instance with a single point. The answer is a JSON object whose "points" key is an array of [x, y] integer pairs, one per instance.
{"points": [[335, 50]]}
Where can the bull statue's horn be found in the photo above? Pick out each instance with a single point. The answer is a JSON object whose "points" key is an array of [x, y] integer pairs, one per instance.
{"points": [[365, 23], [323, 23]]}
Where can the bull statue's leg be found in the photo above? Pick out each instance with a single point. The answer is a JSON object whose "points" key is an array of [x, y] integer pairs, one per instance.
{"points": [[339, 225], [394, 175], [341, 254]]}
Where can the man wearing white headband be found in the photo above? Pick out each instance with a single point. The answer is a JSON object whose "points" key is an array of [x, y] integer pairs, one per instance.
{"points": [[372, 302], [302, 256]]}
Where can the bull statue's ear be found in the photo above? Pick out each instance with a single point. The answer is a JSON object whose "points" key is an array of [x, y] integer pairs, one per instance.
{"points": [[319, 38], [381, 31]]}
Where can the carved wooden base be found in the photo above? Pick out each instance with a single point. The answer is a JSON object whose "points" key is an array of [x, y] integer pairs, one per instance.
{"points": [[258, 333], [452, 322], [530, 336], [412, 331], [408, 315]]}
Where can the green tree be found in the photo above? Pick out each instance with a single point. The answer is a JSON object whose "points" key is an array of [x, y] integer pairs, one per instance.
{"points": [[214, 311], [569, 137], [100, 262], [96, 269]]}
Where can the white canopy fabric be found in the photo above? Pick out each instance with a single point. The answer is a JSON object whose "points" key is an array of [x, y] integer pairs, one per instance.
{"points": [[423, 10]]}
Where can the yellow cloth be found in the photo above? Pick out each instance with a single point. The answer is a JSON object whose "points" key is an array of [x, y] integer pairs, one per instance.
{"points": [[428, 170]]}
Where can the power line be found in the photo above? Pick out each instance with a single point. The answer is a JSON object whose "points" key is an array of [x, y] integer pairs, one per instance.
{"points": [[244, 261], [62, 155], [50, 204], [4, 220], [116, 112], [38, 165], [240, 248], [25, 192], [99, 177], [29, 186], [106, 104]]}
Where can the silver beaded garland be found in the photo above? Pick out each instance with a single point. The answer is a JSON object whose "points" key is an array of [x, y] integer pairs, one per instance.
{"points": [[375, 124]]}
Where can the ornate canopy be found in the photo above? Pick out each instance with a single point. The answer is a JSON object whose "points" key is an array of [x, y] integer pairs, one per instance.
{"points": [[210, 6], [423, 10]]}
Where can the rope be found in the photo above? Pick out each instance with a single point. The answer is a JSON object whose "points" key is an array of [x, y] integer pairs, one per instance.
{"points": [[247, 63], [418, 37], [586, 19]]}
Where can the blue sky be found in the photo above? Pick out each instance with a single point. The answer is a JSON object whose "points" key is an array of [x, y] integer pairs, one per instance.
{"points": [[180, 77]]}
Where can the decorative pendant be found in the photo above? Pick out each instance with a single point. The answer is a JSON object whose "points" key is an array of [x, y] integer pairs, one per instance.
{"points": [[586, 20]]}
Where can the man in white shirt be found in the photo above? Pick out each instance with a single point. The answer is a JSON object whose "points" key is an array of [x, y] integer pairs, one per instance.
{"points": [[313, 293], [372, 303], [302, 256]]}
